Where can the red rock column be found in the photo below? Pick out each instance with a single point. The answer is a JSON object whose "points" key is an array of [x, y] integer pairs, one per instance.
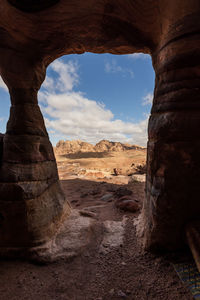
{"points": [[32, 204], [173, 179]]}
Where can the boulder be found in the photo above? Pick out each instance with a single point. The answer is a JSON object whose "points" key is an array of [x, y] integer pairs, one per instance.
{"points": [[106, 198], [127, 205], [122, 191]]}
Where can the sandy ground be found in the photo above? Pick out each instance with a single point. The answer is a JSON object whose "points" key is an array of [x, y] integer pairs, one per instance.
{"points": [[123, 273], [100, 163]]}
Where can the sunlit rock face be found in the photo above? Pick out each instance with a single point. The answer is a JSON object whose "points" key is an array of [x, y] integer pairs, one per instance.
{"points": [[32, 36], [66, 147]]}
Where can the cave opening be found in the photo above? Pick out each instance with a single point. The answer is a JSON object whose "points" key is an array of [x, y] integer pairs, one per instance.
{"points": [[32, 198], [98, 96], [90, 98]]}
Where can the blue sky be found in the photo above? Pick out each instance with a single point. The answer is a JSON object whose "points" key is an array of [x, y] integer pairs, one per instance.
{"points": [[93, 97]]}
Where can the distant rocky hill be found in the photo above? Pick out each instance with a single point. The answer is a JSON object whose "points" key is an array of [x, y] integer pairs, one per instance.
{"points": [[66, 147]]}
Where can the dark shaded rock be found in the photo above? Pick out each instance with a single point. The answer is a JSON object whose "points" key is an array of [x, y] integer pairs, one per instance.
{"points": [[89, 214], [111, 188], [122, 191], [116, 171], [1, 146], [107, 198], [117, 27], [84, 195], [121, 294], [32, 5], [127, 198], [95, 192], [127, 205], [141, 169]]}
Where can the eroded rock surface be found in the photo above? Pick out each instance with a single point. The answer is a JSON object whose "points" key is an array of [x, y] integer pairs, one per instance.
{"points": [[32, 203], [31, 38], [72, 147]]}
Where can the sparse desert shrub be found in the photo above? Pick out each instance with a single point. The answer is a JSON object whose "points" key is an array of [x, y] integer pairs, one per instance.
{"points": [[141, 169]]}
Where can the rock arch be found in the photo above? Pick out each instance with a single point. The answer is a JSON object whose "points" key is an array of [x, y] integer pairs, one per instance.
{"points": [[31, 201]]}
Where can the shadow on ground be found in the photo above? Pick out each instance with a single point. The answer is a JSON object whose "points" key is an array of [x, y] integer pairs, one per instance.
{"points": [[80, 155], [125, 273]]}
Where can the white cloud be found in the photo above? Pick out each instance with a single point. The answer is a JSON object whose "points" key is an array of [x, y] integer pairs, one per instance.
{"points": [[71, 115], [2, 119], [67, 79], [3, 85], [49, 84], [113, 67], [139, 56], [148, 99]]}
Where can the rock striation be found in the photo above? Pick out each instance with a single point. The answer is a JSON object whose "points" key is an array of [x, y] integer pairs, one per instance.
{"points": [[31, 197], [32, 204]]}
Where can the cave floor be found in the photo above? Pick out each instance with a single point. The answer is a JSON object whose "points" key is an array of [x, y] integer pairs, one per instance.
{"points": [[126, 272]]}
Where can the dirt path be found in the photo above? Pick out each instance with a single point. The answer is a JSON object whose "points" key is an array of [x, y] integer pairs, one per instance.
{"points": [[124, 273]]}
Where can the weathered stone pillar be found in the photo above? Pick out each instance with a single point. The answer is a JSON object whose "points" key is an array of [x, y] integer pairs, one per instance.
{"points": [[173, 179], [32, 204]]}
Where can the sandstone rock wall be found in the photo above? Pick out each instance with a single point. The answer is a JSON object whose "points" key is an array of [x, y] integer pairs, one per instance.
{"points": [[31, 38], [66, 147]]}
